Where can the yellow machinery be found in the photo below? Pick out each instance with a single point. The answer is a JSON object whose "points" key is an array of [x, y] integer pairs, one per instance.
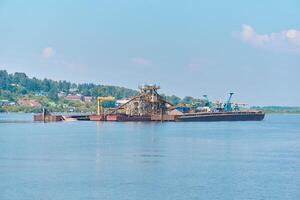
{"points": [[100, 101]]}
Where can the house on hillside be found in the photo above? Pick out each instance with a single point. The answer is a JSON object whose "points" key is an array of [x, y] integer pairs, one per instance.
{"points": [[7, 103], [61, 94], [74, 98], [88, 98], [39, 94], [29, 103], [73, 90], [121, 101]]}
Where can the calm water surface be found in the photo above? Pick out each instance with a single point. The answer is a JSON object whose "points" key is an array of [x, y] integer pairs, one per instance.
{"points": [[197, 160]]}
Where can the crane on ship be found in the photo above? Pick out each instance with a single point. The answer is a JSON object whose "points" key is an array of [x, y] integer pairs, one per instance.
{"points": [[227, 105], [207, 101], [100, 103]]}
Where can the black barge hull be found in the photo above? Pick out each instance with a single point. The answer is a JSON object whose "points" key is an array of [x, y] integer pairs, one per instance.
{"points": [[223, 116]]}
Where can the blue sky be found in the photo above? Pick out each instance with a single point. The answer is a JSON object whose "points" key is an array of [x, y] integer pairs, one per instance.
{"points": [[188, 47]]}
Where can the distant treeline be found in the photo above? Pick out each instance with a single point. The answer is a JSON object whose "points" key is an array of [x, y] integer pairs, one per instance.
{"points": [[277, 109], [17, 84]]}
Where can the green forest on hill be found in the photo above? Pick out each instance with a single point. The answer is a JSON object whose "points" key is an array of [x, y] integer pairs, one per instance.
{"points": [[16, 86]]}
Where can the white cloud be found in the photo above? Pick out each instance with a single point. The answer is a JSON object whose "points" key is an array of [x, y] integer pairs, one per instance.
{"points": [[141, 61], [48, 52], [286, 40]]}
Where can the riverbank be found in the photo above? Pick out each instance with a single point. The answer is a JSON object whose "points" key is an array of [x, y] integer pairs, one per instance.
{"points": [[278, 109]]}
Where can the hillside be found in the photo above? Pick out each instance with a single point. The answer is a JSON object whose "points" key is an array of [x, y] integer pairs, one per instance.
{"points": [[16, 86], [17, 90]]}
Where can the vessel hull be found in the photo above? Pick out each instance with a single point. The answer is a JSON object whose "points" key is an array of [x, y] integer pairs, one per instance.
{"points": [[223, 116], [125, 118]]}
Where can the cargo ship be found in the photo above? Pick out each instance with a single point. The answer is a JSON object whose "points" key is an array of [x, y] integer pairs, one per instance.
{"points": [[148, 105], [190, 117]]}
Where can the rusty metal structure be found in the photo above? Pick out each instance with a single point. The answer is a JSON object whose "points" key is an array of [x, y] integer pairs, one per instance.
{"points": [[46, 116], [100, 103], [148, 102]]}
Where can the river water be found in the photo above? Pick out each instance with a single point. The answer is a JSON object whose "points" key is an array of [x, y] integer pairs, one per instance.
{"points": [[134, 160]]}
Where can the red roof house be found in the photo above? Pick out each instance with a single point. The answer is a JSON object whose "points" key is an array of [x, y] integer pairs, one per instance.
{"points": [[73, 98], [29, 103]]}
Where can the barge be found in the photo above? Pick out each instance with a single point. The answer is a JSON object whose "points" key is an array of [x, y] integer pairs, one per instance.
{"points": [[190, 117], [148, 105], [223, 116], [119, 118]]}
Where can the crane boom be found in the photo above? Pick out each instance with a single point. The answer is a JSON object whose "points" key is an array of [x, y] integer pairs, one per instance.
{"points": [[227, 106]]}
